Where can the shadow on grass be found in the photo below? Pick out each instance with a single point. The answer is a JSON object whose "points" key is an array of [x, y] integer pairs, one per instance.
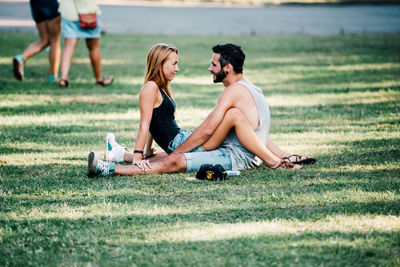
{"points": [[99, 242], [61, 135], [256, 195]]}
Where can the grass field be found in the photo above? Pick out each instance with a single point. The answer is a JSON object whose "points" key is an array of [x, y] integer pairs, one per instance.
{"points": [[336, 98]]}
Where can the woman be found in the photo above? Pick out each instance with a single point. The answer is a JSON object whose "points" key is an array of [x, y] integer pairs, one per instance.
{"points": [[48, 22], [157, 120], [70, 10]]}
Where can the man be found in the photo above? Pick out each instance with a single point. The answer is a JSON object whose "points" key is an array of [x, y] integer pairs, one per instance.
{"points": [[239, 96]]}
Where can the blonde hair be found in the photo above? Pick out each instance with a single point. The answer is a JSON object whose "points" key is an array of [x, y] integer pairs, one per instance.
{"points": [[155, 61]]}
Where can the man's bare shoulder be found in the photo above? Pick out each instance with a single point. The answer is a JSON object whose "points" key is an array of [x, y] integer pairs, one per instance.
{"points": [[235, 89]]}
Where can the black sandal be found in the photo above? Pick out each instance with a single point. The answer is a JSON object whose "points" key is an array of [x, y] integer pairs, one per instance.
{"points": [[298, 159], [63, 83], [102, 83]]}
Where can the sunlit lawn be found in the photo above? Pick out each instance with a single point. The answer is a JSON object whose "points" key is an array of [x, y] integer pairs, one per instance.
{"points": [[336, 98]]}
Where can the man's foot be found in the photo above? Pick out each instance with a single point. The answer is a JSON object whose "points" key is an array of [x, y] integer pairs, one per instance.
{"points": [[286, 164], [298, 159], [98, 167], [18, 67], [113, 151]]}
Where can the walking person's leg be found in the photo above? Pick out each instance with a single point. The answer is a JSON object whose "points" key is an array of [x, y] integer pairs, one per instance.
{"points": [[95, 59], [66, 59], [19, 61], [54, 28]]}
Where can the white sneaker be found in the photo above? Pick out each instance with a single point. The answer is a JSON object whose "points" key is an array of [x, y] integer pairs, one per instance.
{"points": [[113, 152]]}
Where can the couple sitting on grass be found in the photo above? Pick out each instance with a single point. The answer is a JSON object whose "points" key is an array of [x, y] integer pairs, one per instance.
{"points": [[234, 134]]}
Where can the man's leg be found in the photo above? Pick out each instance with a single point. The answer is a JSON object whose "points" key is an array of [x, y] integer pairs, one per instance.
{"points": [[276, 150], [246, 135]]}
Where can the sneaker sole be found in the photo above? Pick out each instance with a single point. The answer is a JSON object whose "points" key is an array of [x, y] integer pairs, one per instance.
{"points": [[17, 73], [92, 158]]}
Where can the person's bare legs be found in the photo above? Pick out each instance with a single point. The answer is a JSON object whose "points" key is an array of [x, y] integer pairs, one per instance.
{"points": [[128, 156], [246, 135], [276, 150], [170, 164], [33, 49], [38, 46], [54, 28], [95, 57], [66, 58]]}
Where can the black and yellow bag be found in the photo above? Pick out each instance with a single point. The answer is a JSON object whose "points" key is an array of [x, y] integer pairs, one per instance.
{"points": [[211, 172]]}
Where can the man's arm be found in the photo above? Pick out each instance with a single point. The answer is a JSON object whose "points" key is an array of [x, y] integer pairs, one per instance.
{"points": [[202, 133]]}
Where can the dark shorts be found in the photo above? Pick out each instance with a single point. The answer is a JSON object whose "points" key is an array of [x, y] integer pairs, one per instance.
{"points": [[44, 10]]}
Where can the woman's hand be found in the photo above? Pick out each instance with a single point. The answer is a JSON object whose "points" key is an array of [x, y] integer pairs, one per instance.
{"points": [[144, 164]]}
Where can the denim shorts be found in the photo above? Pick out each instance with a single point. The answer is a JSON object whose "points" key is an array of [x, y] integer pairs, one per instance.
{"points": [[179, 139], [71, 29], [199, 156], [44, 10]]}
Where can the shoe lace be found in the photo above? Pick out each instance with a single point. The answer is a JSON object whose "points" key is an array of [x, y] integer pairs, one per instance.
{"points": [[103, 167]]}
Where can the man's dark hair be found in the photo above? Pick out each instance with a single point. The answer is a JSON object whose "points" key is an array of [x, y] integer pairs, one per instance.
{"points": [[230, 53]]}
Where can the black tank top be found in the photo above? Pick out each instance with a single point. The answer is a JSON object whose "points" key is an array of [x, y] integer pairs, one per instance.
{"points": [[163, 126]]}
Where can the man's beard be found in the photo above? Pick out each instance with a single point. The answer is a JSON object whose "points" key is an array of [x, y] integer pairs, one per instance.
{"points": [[219, 76]]}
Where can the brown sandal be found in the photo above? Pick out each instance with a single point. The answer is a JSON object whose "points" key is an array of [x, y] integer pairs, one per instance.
{"points": [[286, 164], [298, 159]]}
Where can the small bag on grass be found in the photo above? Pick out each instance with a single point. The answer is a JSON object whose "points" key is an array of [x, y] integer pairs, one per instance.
{"points": [[211, 172]]}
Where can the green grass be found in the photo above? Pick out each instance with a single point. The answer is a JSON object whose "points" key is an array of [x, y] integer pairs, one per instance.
{"points": [[336, 98]]}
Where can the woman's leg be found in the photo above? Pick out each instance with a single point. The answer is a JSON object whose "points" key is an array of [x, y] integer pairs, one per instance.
{"points": [[38, 46], [95, 57], [246, 135], [95, 60], [67, 54], [54, 28], [33, 49]]}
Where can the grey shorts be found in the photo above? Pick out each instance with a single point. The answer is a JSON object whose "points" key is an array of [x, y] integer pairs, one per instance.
{"points": [[221, 156], [199, 156]]}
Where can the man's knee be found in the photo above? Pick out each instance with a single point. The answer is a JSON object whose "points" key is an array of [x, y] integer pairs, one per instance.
{"points": [[234, 113]]}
